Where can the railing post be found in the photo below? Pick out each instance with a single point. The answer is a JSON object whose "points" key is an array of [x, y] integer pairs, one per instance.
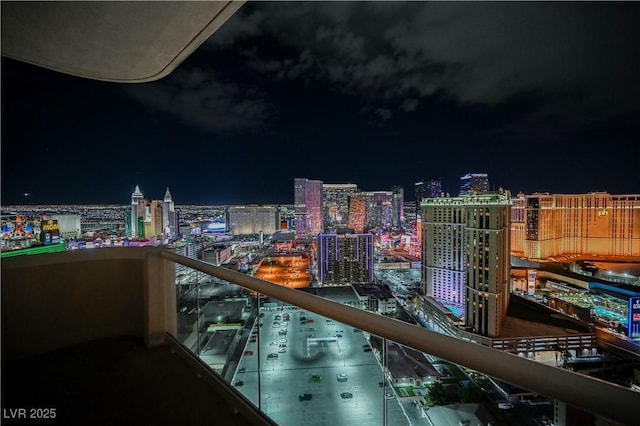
{"points": [[160, 299]]}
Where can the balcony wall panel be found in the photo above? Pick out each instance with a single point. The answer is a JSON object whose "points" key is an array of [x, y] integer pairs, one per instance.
{"points": [[56, 300]]}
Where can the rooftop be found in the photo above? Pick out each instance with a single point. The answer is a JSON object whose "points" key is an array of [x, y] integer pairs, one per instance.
{"points": [[527, 318]]}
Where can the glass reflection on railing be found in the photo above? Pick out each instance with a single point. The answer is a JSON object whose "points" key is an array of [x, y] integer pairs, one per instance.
{"points": [[299, 367], [216, 322], [435, 391], [302, 368]]}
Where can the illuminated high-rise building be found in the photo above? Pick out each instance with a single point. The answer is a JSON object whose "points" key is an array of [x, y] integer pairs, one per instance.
{"points": [[397, 218], [419, 192], [487, 232], [169, 216], [466, 257], [335, 204], [410, 212], [518, 215], [443, 255], [156, 218], [253, 219], [429, 189], [136, 216], [433, 188], [345, 259], [379, 209], [474, 183], [307, 196], [596, 223], [152, 224], [357, 212]]}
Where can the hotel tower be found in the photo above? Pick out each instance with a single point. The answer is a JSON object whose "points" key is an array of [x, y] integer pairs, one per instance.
{"points": [[466, 257], [597, 223]]}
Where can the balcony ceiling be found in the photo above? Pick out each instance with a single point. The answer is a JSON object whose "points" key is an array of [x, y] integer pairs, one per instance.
{"points": [[125, 42]]}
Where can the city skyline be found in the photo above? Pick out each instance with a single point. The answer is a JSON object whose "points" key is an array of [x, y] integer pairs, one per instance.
{"points": [[540, 96], [480, 308]]}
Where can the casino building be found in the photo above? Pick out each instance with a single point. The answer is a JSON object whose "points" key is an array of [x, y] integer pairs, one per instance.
{"points": [[597, 223], [148, 219]]}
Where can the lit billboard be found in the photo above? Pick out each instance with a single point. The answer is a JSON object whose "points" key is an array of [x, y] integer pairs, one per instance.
{"points": [[217, 226], [49, 232]]}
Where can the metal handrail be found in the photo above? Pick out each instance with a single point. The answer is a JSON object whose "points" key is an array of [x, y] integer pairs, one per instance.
{"points": [[591, 394]]}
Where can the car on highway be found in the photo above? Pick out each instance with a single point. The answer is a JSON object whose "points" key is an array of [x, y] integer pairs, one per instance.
{"points": [[505, 405], [316, 378], [282, 350], [390, 395], [342, 377], [338, 335], [346, 395], [238, 383], [272, 355], [304, 397], [248, 353], [283, 340]]}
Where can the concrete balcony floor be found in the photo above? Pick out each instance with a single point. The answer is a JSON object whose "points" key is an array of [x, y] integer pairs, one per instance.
{"points": [[113, 382]]}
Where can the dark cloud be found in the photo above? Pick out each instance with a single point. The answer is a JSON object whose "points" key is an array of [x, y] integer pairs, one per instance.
{"points": [[409, 105], [201, 100], [402, 91], [383, 113], [580, 57]]}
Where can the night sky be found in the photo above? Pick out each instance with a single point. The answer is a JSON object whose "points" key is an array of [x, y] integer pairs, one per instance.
{"points": [[542, 96]]}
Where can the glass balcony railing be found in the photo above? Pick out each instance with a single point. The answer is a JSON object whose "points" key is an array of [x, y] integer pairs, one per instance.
{"points": [[304, 359], [284, 356]]}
